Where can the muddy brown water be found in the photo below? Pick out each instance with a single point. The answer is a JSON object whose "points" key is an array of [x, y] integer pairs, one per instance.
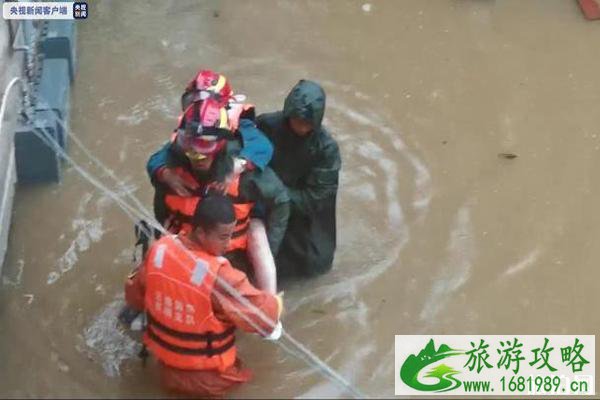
{"points": [[437, 233]]}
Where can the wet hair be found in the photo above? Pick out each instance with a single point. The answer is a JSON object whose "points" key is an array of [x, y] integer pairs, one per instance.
{"points": [[213, 210]]}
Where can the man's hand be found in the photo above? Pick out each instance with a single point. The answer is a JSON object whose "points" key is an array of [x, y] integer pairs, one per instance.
{"points": [[176, 183], [239, 166], [278, 329], [279, 298], [220, 187]]}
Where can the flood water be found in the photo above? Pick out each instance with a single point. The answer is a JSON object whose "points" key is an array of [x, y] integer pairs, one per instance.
{"points": [[437, 233]]}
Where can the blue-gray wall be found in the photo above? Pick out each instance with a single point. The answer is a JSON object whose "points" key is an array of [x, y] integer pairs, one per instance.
{"points": [[11, 65]]}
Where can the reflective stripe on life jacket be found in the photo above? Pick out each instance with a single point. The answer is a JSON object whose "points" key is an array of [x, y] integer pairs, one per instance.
{"points": [[182, 330], [181, 209]]}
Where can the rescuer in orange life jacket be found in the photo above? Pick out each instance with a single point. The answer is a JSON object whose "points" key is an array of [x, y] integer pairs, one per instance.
{"points": [[191, 315], [218, 147]]}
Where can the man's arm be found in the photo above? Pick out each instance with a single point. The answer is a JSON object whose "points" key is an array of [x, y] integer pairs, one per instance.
{"points": [[244, 314], [321, 182], [257, 148], [266, 188], [157, 161], [160, 169]]}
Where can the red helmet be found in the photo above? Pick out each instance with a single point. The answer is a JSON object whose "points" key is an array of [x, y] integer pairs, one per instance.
{"points": [[207, 84], [203, 128]]}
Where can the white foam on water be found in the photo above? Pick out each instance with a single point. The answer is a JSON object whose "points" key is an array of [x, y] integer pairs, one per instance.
{"points": [[384, 368], [106, 341], [456, 270], [340, 86], [30, 297], [136, 115], [422, 196], [83, 203], [389, 167], [166, 81], [358, 117], [52, 277], [362, 96], [422, 179], [105, 101], [351, 368], [167, 106], [365, 192], [125, 256], [123, 150], [123, 189], [358, 313], [87, 232], [180, 47], [61, 365], [365, 169], [18, 278], [395, 214], [526, 262]]}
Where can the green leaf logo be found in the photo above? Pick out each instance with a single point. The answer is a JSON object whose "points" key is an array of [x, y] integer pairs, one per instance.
{"points": [[409, 371]]}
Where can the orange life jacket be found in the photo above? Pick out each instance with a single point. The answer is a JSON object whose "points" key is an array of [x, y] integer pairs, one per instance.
{"points": [[182, 330], [181, 210]]}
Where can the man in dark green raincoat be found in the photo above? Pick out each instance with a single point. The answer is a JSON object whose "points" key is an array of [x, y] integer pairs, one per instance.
{"points": [[307, 160]]}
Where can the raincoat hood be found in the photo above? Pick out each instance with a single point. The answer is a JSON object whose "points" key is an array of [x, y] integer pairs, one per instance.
{"points": [[306, 101]]}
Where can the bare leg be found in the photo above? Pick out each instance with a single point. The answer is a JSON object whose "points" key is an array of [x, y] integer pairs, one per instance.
{"points": [[261, 258]]}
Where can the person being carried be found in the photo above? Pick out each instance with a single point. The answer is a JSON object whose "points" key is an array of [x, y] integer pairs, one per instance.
{"points": [[194, 301], [307, 160], [247, 144], [198, 156]]}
